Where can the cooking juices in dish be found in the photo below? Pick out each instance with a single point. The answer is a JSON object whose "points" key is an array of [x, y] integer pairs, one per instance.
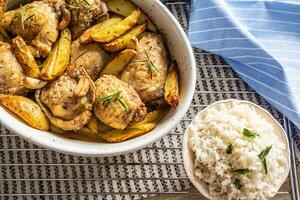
{"points": [[237, 153], [100, 70]]}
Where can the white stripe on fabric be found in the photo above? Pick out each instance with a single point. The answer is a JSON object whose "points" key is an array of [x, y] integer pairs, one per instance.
{"points": [[268, 10], [251, 49], [261, 63], [269, 75], [215, 40], [273, 31], [267, 20], [205, 20], [267, 86], [249, 56], [214, 29], [283, 41], [207, 8]]}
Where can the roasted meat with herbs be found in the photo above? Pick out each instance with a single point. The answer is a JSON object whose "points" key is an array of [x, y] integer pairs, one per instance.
{"points": [[11, 72], [68, 100], [38, 23], [86, 13], [89, 56], [148, 70], [117, 103]]}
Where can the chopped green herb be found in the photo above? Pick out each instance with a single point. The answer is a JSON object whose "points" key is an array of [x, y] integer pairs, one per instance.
{"points": [[262, 157], [151, 65], [250, 135], [23, 16], [108, 100], [237, 184], [242, 171], [229, 149]]}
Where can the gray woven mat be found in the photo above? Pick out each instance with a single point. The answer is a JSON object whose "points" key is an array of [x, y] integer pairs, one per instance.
{"points": [[30, 172]]}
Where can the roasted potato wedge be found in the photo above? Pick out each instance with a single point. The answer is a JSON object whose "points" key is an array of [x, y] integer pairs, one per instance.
{"points": [[125, 41], [96, 126], [86, 36], [125, 7], [152, 117], [117, 65], [58, 59], [131, 132], [26, 109], [171, 92], [25, 57], [116, 30]]}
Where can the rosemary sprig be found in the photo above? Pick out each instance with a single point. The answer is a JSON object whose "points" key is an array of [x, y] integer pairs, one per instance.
{"points": [[237, 184], [151, 65], [229, 149], [113, 97], [249, 134], [262, 157], [244, 171], [23, 16]]}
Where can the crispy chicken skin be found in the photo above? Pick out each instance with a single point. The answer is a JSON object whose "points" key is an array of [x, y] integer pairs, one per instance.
{"points": [[148, 71], [115, 115], [37, 23], [89, 56], [68, 100], [11, 72], [86, 13]]}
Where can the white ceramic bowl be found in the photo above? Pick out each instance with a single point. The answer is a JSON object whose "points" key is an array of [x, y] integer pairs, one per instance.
{"points": [[180, 50], [188, 155]]}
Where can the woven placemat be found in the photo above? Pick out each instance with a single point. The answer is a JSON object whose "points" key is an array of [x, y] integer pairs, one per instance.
{"points": [[31, 172]]}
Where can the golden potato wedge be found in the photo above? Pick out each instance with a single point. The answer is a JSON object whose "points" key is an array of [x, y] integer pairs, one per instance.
{"points": [[125, 7], [25, 57], [26, 109], [131, 132], [93, 124], [152, 117], [118, 64], [171, 92], [96, 126], [125, 40], [116, 30], [86, 36], [58, 59]]}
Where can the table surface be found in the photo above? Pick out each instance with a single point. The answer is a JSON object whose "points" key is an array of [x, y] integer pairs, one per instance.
{"points": [[31, 172]]}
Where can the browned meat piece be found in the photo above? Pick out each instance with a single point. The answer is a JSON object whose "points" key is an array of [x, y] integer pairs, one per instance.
{"points": [[68, 101], [117, 103], [11, 72], [86, 13], [148, 71], [90, 56], [37, 23]]}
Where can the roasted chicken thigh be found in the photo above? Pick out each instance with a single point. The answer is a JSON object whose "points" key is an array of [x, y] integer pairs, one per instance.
{"points": [[86, 13], [148, 70], [89, 56], [117, 103], [37, 23], [68, 101]]}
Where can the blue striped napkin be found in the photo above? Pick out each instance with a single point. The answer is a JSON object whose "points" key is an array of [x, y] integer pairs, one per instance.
{"points": [[260, 40]]}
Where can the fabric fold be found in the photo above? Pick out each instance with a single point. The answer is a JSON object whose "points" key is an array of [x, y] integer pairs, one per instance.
{"points": [[260, 40]]}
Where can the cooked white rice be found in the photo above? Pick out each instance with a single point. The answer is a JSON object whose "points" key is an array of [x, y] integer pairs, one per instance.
{"points": [[210, 135]]}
